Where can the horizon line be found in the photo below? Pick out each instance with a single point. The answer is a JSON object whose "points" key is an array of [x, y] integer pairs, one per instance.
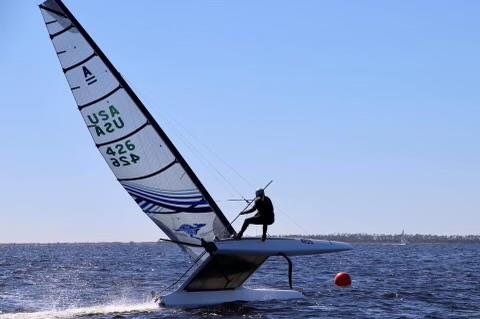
{"points": [[273, 236]]}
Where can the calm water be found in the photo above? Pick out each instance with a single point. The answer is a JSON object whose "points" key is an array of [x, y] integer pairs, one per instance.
{"points": [[115, 281]]}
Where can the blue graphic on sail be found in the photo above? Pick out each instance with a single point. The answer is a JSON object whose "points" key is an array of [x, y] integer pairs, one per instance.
{"points": [[156, 201], [191, 230]]}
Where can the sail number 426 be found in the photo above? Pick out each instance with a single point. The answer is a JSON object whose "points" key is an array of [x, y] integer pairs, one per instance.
{"points": [[122, 155]]}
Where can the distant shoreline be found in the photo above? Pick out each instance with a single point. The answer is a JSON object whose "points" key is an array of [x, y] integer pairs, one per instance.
{"points": [[349, 238], [395, 239]]}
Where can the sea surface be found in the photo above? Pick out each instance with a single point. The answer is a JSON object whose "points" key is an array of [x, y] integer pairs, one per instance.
{"points": [[115, 280]]}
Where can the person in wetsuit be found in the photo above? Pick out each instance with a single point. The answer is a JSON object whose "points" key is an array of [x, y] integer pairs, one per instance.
{"points": [[265, 215]]}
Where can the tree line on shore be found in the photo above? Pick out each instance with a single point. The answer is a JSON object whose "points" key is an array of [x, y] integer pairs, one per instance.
{"points": [[394, 238]]}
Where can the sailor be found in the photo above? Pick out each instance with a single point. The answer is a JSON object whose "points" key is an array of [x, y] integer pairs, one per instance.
{"points": [[265, 216]]}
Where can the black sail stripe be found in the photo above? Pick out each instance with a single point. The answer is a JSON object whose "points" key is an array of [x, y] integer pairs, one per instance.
{"points": [[123, 137], [58, 13], [50, 22], [179, 212], [62, 31], [81, 107], [149, 175], [79, 63]]}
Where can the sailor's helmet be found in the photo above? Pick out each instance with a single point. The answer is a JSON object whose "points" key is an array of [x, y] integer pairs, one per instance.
{"points": [[259, 192]]}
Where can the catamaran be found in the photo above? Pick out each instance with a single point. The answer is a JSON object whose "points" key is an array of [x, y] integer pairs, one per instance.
{"points": [[152, 170]]}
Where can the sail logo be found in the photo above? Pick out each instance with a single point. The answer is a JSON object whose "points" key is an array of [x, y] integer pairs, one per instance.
{"points": [[89, 77], [191, 230]]}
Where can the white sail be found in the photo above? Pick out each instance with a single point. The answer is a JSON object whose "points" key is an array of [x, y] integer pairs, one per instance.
{"points": [[403, 238], [139, 153]]}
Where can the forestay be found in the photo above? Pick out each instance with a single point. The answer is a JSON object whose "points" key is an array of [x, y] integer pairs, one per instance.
{"points": [[140, 154]]}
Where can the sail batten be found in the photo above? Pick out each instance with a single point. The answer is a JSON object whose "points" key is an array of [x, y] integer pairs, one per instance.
{"points": [[161, 170], [61, 31], [52, 11], [137, 150], [125, 136], [80, 107], [79, 63]]}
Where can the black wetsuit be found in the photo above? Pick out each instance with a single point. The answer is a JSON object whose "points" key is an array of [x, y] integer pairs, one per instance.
{"points": [[265, 216]]}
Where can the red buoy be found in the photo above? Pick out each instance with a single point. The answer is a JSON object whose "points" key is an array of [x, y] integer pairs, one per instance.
{"points": [[342, 279]]}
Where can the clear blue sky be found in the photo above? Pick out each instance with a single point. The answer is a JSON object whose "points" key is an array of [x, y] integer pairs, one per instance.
{"points": [[366, 114]]}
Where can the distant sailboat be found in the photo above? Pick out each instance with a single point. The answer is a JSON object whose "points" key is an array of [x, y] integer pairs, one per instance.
{"points": [[403, 238], [151, 169]]}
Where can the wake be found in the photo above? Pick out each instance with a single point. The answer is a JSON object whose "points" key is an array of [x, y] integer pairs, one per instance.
{"points": [[113, 309]]}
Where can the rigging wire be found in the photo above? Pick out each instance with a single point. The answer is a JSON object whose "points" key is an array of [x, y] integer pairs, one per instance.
{"points": [[204, 157], [183, 275], [183, 133], [186, 137], [248, 204], [215, 154], [292, 220], [219, 176]]}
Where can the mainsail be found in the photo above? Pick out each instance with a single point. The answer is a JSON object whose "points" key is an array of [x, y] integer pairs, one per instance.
{"points": [[138, 151]]}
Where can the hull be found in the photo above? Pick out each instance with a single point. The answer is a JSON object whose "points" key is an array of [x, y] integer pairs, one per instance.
{"points": [[276, 246], [220, 278], [187, 299]]}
